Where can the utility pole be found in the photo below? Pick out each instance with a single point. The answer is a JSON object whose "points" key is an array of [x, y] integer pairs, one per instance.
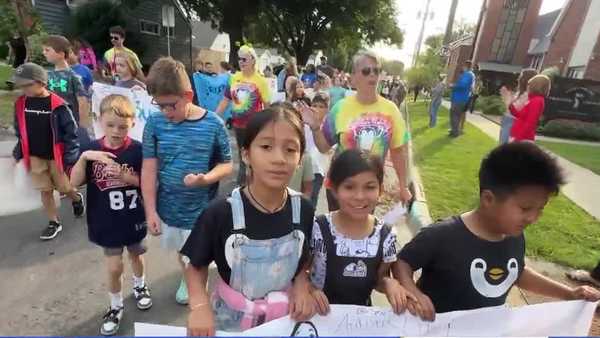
{"points": [[448, 34], [420, 39]]}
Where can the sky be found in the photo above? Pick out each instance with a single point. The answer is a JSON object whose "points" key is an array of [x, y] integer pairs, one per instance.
{"points": [[410, 19]]}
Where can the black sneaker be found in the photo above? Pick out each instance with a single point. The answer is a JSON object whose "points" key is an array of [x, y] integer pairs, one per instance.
{"points": [[79, 206], [142, 296], [51, 231], [111, 321]]}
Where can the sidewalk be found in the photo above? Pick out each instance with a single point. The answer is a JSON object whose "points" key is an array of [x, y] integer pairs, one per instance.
{"points": [[583, 187]]}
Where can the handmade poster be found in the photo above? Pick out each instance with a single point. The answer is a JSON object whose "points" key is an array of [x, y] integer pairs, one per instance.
{"points": [[566, 318], [140, 99]]}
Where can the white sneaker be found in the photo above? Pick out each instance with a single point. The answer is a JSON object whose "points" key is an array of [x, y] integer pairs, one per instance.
{"points": [[111, 321], [142, 296]]}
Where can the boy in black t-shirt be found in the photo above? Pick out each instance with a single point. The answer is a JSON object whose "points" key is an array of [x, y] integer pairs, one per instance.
{"points": [[46, 142], [472, 260], [111, 166]]}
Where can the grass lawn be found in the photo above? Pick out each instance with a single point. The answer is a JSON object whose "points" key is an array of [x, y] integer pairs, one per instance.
{"points": [[5, 74], [7, 109], [565, 234], [583, 155]]}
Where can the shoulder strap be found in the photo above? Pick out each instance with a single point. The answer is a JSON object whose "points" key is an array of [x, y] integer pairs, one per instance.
{"points": [[296, 199], [327, 236], [237, 209], [383, 233]]}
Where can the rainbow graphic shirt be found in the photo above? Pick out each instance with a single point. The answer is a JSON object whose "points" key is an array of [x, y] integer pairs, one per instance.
{"points": [[375, 128], [248, 95]]}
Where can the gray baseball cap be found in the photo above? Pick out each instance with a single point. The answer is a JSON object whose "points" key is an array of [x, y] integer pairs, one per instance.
{"points": [[29, 73]]}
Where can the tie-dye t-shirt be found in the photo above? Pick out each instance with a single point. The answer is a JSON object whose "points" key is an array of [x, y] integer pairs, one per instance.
{"points": [[376, 127], [248, 95]]}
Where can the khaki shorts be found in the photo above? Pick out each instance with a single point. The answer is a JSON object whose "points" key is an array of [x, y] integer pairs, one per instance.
{"points": [[45, 176], [136, 249]]}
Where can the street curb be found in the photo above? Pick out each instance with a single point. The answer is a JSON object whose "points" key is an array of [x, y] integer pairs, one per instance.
{"points": [[418, 214]]}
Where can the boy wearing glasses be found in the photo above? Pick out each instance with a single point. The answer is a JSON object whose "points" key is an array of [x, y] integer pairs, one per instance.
{"points": [[117, 38], [364, 121], [248, 91], [46, 142], [186, 153]]}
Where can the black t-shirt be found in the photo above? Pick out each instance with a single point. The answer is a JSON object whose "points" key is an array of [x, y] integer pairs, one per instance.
{"points": [[206, 243], [115, 214], [460, 270], [38, 115]]}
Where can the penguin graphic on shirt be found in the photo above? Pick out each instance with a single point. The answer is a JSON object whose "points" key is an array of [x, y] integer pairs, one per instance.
{"points": [[505, 276]]}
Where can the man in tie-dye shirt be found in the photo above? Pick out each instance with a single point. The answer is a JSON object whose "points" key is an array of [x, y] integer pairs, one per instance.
{"points": [[249, 93], [364, 121]]}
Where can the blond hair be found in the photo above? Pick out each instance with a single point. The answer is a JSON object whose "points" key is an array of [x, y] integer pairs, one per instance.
{"points": [[539, 84], [118, 105], [134, 69], [167, 76]]}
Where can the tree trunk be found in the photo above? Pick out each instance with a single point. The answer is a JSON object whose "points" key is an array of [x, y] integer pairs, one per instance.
{"points": [[233, 24], [24, 22], [302, 55]]}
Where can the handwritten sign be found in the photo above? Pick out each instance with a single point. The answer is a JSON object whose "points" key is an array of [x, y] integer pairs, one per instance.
{"points": [[570, 318], [140, 99]]}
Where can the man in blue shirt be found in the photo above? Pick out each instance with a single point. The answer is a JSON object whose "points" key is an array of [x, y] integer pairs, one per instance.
{"points": [[461, 92]]}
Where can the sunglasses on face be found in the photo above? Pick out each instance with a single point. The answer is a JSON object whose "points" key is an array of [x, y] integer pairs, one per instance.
{"points": [[114, 38], [165, 105], [370, 70], [244, 60]]}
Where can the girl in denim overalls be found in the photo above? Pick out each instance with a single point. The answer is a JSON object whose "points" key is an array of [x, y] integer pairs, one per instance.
{"points": [[352, 249], [257, 237]]}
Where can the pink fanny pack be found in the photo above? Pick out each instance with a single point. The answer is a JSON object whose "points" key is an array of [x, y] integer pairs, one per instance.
{"points": [[274, 305]]}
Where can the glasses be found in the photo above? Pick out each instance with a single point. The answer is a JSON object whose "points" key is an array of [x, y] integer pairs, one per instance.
{"points": [[370, 70], [114, 38], [244, 60], [165, 105]]}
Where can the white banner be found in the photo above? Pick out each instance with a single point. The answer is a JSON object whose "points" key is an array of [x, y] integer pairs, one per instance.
{"points": [[140, 99], [569, 318]]}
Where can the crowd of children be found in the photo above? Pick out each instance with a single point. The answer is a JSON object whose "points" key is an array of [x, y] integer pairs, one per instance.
{"points": [[274, 256]]}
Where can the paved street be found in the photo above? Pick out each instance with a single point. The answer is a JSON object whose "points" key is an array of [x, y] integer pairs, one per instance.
{"points": [[58, 287]]}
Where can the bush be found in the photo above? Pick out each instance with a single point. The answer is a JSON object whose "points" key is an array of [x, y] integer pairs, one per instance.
{"points": [[490, 105], [572, 129], [35, 52]]}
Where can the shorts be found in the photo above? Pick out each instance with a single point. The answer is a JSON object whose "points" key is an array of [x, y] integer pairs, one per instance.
{"points": [[45, 176], [173, 238], [135, 249]]}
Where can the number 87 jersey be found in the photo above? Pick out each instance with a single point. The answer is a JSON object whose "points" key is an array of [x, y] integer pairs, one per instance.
{"points": [[115, 212]]}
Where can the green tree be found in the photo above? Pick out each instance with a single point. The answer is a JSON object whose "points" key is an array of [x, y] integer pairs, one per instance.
{"points": [[462, 29], [301, 26], [429, 64], [91, 22], [393, 67]]}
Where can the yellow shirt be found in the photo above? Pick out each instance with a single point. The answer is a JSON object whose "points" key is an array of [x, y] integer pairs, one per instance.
{"points": [[109, 57], [375, 128]]}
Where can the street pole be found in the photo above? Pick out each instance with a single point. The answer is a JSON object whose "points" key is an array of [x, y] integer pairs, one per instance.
{"points": [[448, 34], [420, 39], [168, 43]]}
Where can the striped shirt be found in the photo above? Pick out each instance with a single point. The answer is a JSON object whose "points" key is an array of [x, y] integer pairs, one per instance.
{"points": [[188, 147]]}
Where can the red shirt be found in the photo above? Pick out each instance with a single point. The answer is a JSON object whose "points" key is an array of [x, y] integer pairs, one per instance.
{"points": [[526, 118]]}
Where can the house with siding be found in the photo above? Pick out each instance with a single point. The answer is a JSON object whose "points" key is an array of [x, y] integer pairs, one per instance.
{"points": [[146, 22]]}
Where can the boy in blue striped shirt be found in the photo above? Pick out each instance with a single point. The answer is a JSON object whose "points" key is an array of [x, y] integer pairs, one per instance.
{"points": [[186, 153]]}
